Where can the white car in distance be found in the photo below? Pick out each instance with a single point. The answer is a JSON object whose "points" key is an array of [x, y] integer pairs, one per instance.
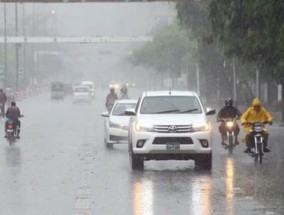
{"points": [[170, 125], [91, 86], [81, 94], [117, 122]]}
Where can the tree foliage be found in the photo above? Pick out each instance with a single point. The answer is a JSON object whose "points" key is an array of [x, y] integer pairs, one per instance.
{"points": [[251, 30], [167, 52], [247, 32], [194, 16]]}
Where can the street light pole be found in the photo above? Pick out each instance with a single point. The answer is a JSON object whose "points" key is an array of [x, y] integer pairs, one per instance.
{"points": [[17, 46], [234, 81], [5, 46], [198, 79], [257, 83], [24, 44]]}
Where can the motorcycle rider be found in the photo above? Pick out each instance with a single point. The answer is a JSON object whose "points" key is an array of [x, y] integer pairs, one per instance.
{"points": [[255, 113], [3, 100], [13, 113], [110, 99], [123, 93], [228, 112]]}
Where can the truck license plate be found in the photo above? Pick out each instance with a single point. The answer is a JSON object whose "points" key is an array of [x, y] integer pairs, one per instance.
{"points": [[173, 145]]}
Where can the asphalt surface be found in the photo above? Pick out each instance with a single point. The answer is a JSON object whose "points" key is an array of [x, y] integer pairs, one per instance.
{"points": [[60, 166]]}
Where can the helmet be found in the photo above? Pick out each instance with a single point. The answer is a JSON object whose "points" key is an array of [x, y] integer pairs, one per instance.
{"points": [[112, 89], [228, 102], [13, 103], [123, 90]]}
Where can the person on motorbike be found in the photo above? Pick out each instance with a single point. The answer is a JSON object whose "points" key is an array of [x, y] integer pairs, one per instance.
{"points": [[13, 113], [255, 113], [110, 99], [123, 93], [228, 112], [3, 100]]}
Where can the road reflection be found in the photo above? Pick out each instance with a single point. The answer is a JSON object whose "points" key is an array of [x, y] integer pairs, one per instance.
{"points": [[172, 189], [230, 177], [13, 178], [13, 156], [201, 196], [143, 197]]}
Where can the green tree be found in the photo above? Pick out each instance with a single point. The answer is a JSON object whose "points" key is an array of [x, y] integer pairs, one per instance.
{"points": [[194, 16], [252, 31], [166, 53]]}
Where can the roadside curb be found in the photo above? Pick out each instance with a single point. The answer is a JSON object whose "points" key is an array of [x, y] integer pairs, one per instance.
{"points": [[23, 94], [278, 124]]}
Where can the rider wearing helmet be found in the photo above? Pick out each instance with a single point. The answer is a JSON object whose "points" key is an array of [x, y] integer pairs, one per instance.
{"points": [[13, 113], [110, 99], [255, 113], [123, 93], [228, 112]]}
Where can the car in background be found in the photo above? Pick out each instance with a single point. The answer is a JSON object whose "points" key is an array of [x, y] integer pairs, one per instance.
{"points": [[91, 86], [81, 94], [116, 122], [76, 84], [170, 125]]}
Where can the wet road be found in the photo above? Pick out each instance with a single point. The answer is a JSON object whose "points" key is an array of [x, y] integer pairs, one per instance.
{"points": [[60, 166]]}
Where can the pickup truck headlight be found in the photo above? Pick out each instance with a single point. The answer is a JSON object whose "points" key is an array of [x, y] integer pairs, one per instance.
{"points": [[201, 127], [143, 127]]}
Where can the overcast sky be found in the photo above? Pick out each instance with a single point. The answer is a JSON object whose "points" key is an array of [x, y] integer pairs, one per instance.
{"points": [[86, 19], [89, 19]]}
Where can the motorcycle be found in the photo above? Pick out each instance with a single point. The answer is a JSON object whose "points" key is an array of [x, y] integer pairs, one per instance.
{"points": [[230, 125], [12, 131], [258, 130]]}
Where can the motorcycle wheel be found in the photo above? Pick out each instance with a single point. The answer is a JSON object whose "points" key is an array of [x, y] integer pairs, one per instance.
{"points": [[231, 145], [10, 139], [260, 154], [256, 157]]}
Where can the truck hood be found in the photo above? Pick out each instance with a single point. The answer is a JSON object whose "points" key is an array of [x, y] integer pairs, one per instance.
{"points": [[121, 120], [172, 119]]}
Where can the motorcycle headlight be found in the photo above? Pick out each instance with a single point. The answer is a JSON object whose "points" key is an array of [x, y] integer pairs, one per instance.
{"points": [[143, 127], [230, 124], [201, 127]]}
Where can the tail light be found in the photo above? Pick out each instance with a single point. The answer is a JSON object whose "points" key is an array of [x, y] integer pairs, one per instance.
{"points": [[10, 126]]}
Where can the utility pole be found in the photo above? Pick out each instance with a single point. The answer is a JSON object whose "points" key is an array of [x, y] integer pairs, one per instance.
{"points": [[24, 44], [234, 81], [257, 83], [5, 47], [197, 79], [17, 46]]}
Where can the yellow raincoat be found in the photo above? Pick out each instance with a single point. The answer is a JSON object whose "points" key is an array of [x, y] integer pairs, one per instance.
{"points": [[250, 115]]}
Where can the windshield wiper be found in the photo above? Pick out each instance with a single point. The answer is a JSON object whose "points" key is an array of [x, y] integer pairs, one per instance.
{"points": [[188, 111], [168, 111]]}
